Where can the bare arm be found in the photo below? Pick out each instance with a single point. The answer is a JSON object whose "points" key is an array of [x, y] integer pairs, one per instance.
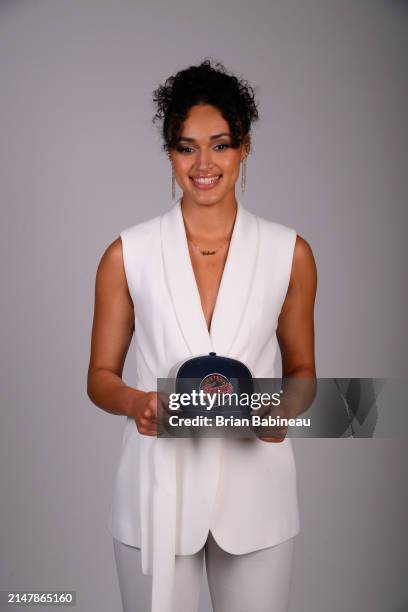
{"points": [[112, 331], [295, 333]]}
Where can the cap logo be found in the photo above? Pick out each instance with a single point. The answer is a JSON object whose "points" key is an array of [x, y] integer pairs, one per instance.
{"points": [[216, 384]]}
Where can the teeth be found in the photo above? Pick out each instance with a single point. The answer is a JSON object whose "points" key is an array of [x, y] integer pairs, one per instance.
{"points": [[206, 181]]}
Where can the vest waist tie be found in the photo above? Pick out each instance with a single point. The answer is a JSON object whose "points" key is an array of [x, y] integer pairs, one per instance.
{"points": [[158, 541]]}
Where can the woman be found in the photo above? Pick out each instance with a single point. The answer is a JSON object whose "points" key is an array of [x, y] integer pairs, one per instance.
{"points": [[206, 276]]}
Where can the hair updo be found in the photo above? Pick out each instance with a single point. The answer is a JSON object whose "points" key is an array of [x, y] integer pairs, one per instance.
{"points": [[204, 84]]}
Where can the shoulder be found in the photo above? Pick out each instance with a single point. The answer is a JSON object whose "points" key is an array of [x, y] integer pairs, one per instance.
{"points": [[112, 258], [110, 274], [302, 250], [283, 242], [138, 242], [277, 241], [271, 229], [142, 231], [134, 236], [304, 271]]}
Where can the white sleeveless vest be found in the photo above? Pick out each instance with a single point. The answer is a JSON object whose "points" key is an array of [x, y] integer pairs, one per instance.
{"points": [[169, 493]]}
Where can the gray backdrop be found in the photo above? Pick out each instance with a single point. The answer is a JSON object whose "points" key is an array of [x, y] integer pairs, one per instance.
{"points": [[80, 161]]}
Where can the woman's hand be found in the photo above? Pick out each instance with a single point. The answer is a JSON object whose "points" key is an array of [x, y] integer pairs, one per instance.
{"points": [[273, 434], [151, 410], [144, 412]]}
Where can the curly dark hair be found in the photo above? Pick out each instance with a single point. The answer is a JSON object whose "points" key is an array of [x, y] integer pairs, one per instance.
{"points": [[206, 83]]}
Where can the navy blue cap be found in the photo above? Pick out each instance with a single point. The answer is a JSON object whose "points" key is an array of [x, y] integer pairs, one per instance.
{"points": [[213, 373]]}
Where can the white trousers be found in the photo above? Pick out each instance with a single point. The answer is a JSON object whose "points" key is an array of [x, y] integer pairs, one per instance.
{"points": [[258, 581]]}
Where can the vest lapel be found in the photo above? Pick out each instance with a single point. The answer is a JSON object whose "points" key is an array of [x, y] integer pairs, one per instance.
{"points": [[181, 283], [236, 282], [234, 290]]}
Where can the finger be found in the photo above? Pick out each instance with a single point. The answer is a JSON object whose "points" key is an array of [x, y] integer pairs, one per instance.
{"points": [[273, 431], [271, 439], [273, 435], [262, 410], [149, 416], [149, 432], [152, 405], [145, 428], [148, 429], [163, 402], [147, 424]]}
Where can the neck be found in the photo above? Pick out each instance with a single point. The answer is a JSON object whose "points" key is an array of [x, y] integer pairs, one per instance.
{"points": [[209, 222]]}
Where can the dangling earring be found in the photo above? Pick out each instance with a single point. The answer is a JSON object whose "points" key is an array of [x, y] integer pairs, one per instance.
{"points": [[243, 175], [173, 185]]}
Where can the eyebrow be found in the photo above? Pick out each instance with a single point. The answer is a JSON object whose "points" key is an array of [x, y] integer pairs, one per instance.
{"points": [[213, 137]]}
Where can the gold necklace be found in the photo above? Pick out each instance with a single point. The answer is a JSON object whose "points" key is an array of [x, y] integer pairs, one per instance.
{"points": [[205, 251]]}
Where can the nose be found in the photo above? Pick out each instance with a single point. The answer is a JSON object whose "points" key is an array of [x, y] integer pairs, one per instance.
{"points": [[203, 160]]}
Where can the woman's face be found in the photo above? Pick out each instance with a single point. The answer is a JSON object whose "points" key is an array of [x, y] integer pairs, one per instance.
{"points": [[205, 165]]}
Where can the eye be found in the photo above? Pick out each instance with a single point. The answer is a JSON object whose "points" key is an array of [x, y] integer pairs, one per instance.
{"points": [[222, 144], [182, 149]]}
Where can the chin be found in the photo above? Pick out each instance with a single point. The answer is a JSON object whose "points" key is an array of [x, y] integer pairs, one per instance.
{"points": [[209, 197]]}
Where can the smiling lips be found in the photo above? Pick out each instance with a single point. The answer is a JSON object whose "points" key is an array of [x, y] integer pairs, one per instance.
{"points": [[205, 182]]}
